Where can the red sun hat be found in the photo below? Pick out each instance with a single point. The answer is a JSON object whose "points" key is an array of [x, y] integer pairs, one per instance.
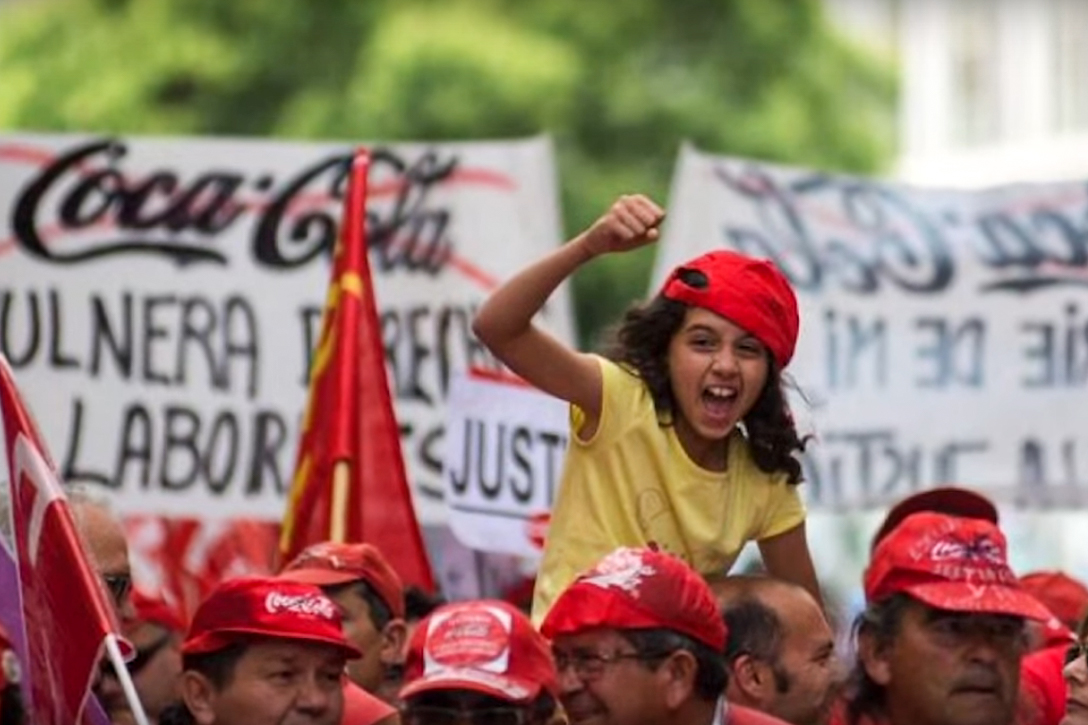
{"points": [[951, 563], [950, 500], [638, 589], [329, 564], [265, 607], [750, 292], [485, 646], [1063, 595]]}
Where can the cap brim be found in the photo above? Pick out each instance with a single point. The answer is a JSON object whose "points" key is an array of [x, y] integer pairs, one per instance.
{"points": [[950, 501], [220, 639], [980, 599], [503, 687], [318, 577]]}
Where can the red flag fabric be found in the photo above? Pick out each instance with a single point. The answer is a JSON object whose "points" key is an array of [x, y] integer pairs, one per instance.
{"points": [[350, 482], [65, 606]]}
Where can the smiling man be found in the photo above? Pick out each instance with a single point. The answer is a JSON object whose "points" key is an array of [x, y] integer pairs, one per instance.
{"points": [[943, 634], [639, 640]]}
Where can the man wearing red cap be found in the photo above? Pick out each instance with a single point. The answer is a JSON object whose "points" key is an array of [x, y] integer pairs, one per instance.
{"points": [[638, 640], [371, 598], [1041, 674], [941, 639], [263, 652], [478, 662]]}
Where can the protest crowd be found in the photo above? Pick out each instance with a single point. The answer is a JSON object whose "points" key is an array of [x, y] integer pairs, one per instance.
{"points": [[634, 619]]}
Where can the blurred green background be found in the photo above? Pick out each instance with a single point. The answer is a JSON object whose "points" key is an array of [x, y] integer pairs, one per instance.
{"points": [[618, 85]]}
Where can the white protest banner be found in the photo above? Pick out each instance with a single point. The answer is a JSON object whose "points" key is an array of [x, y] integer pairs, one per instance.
{"points": [[160, 299], [944, 334], [505, 444]]}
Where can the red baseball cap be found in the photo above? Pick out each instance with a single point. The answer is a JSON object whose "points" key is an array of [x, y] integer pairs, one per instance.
{"points": [[753, 293], [329, 563], [950, 500], [1063, 595], [154, 610], [952, 563], [265, 607], [638, 589], [486, 646]]}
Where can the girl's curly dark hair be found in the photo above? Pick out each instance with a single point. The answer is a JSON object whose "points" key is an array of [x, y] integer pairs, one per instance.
{"points": [[641, 342]]}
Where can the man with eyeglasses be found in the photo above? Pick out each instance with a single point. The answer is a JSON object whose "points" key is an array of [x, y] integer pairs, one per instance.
{"points": [[106, 547], [638, 640], [478, 663], [941, 639]]}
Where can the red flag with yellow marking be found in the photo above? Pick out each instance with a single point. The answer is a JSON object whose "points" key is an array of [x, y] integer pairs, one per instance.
{"points": [[350, 482]]}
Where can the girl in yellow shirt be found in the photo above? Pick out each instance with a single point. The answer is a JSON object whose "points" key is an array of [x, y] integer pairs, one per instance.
{"points": [[656, 454]]}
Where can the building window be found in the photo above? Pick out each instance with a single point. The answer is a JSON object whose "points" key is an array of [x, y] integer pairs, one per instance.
{"points": [[975, 105]]}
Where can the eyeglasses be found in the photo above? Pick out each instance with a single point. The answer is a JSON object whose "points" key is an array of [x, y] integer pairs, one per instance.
{"points": [[1075, 652], [433, 715], [119, 586], [589, 665]]}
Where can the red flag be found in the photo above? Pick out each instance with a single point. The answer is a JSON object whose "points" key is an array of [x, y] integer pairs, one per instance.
{"points": [[350, 483], [65, 606]]}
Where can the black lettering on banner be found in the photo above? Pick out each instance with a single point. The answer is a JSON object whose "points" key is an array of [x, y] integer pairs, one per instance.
{"points": [[864, 236], [270, 438], [69, 471], [956, 352], [58, 359], [506, 464], [20, 359], [159, 339], [173, 449], [852, 342], [103, 335], [1056, 353], [878, 466]]}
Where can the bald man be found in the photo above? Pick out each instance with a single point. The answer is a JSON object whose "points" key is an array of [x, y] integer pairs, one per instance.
{"points": [[781, 650]]}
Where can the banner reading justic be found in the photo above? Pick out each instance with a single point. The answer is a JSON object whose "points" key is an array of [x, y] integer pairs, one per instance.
{"points": [[944, 334], [161, 298]]}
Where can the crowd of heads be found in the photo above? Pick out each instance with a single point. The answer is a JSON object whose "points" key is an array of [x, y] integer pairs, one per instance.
{"points": [[945, 634]]}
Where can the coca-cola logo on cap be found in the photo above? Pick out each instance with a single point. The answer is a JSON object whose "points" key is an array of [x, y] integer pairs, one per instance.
{"points": [[313, 605], [468, 638]]}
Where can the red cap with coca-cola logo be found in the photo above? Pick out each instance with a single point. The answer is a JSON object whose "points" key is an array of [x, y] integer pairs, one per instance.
{"points": [[329, 564], [951, 563], [265, 607], [639, 589], [484, 646]]}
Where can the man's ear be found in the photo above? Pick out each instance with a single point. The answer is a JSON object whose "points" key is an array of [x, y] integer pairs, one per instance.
{"points": [[875, 658], [679, 671], [199, 695], [394, 637], [751, 679]]}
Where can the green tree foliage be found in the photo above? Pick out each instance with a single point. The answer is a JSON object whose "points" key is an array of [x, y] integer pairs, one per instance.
{"points": [[619, 85]]}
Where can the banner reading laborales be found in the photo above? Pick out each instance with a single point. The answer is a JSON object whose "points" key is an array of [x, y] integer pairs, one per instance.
{"points": [[160, 299], [944, 334]]}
